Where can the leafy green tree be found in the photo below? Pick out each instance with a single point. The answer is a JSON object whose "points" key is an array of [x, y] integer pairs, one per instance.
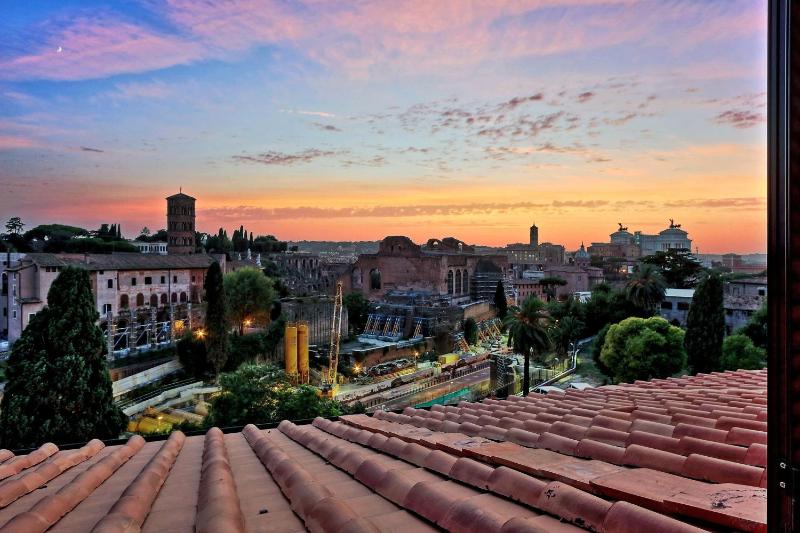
{"points": [[756, 327], [645, 288], [597, 348], [500, 301], [471, 331], [739, 352], [192, 356], [643, 348], [357, 311], [59, 388], [550, 283], [705, 325], [262, 393], [678, 267], [250, 295], [14, 225], [565, 332], [216, 336], [528, 332]]}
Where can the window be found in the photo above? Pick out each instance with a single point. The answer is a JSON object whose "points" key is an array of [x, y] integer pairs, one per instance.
{"points": [[110, 283], [163, 279], [101, 272], [148, 280], [174, 279], [683, 306], [106, 309], [139, 300], [666, 305], [30, 316], [123, 301], [183, 297], [14, 314], [192, 279], [133, 282], [154, 300], [762, 292]]}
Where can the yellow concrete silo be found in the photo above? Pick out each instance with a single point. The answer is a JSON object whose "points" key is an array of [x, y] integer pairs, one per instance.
{"points": [[290, 348], [302, 351]]}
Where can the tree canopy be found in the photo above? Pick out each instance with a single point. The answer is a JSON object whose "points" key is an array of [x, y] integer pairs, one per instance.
{"points": [[643, 348], [59, 388], [216, 337], [739, 352], [262, 393], [645, 289], [528, 332], [471, 331], [705, 325], [678, 267], [500, 302], [249, 294], [756, 327]]}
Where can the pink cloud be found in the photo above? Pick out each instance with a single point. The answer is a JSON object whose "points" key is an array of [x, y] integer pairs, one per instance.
{"points": [[100, 47], [360, 38], [11, 142]]}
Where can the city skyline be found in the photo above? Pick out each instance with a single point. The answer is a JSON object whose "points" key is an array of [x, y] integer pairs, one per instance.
{"points": [[322, 122]]}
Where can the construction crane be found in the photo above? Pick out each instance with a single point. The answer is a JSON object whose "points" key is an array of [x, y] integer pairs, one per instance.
{"points": [[329, 379]]}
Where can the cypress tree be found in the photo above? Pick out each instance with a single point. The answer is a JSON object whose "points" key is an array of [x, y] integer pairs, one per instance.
{"points": [[500, 301], [216, 318], [705, 326], [59, 388]]}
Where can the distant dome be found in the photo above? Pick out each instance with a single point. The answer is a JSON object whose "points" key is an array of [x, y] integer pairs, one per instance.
{"points": [[582, 253]]}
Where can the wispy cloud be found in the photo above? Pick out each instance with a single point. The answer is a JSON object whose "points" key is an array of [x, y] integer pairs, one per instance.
{"points": [[740, 118], [326, 127], [280, 158], [89, 149]]}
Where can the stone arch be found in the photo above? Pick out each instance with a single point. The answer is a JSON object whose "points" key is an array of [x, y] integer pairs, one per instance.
{"points": [[123, 301], [449, 282], [174, 297], [457, 289], [375, 279], [183, 297], [154, 300], [164, 299], [356, 278], [465, 282], [139, 300]]}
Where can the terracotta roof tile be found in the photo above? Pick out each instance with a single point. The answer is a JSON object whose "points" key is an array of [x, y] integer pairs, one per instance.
{"points": [[476, 466]]}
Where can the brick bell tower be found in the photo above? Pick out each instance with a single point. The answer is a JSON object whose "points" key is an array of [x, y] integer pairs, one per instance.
{"points": [[180, 224]]}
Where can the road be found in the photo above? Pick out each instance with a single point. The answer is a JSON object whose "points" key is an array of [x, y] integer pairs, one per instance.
{"points": [[439, 390]]}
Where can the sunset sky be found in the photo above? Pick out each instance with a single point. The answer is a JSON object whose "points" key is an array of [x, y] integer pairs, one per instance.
{"points": [[355, 120]]}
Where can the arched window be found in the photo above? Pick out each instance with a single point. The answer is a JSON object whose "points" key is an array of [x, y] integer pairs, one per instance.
{"points": [[123, 301], [465, 283], [374, 279], [458, 281], [154, 300], [449, 282], [164, 299], [183, 297], [139, 300], [174, 297]]}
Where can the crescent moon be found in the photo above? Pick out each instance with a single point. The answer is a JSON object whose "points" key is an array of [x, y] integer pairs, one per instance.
{"points": [[59, 50]]}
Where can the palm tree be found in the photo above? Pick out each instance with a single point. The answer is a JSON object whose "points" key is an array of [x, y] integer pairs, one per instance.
{"points": [[565, 332], [528, 333], [646, 288]]}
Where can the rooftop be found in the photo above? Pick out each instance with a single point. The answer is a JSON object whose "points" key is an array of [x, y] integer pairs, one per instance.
{"points": [[121, 261], [673, 455]]}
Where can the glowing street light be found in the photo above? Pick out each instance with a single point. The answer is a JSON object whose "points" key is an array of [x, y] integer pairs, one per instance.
{"points": [[247, 323], [201, 333]]}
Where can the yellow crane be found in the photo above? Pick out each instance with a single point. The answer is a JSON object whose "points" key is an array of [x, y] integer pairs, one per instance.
{"points": [[329, 379]]}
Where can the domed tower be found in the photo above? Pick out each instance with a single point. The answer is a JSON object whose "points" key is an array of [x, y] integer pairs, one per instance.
{"points": [[180, 224], [582, 257], [534, 236]]}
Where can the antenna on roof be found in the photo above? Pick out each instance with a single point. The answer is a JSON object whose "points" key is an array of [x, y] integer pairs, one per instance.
{"points": [[180, 190]]}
